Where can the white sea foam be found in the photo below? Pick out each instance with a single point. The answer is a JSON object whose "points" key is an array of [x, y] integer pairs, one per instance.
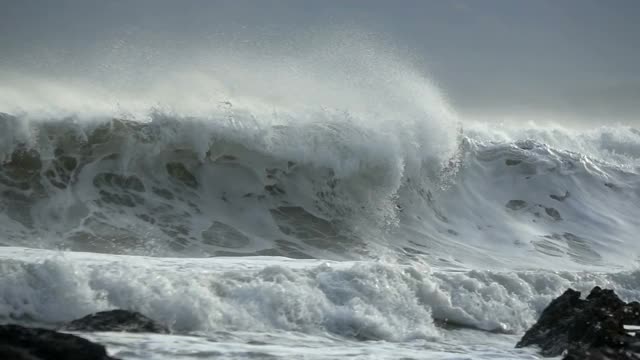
{"points": [[366, 300]]}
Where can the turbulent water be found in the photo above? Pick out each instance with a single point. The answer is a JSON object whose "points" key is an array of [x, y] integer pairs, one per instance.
{"points": [[316, 234]]}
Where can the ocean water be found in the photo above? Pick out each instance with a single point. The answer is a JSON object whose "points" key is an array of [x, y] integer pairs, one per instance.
{"points": [[367, 221]]}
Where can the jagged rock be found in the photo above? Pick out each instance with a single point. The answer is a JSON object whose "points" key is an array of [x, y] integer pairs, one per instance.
{"points": [[116, 320], [14, 353], [23, 343], [551, 332], [592, 328], [630, 312], [604, 353]]}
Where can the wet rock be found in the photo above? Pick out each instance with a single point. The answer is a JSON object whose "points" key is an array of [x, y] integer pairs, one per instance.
{"points": [[14, 353], [23, 343], [630, 312], [592, 328], [551, 332], [117, 320], [516, 204], [603, 354], [179, 172]]}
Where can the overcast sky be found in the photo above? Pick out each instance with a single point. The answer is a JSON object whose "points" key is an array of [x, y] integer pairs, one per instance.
{"points": [[489, 57]]}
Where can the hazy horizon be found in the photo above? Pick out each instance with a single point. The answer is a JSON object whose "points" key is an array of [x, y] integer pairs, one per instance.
{"points": [[540, 60]]}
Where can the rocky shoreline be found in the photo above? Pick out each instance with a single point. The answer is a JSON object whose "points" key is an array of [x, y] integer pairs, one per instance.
{"points": [[593, 328], [25, 343], [599, 327]]}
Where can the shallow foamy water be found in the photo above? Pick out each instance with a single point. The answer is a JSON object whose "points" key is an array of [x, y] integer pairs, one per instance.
{"points": [[273, 307]]}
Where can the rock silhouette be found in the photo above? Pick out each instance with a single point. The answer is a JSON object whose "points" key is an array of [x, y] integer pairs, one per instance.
{"points": [[591, 328]]}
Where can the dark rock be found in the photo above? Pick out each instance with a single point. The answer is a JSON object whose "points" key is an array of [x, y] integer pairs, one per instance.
{"points": [[602, 354], [14, 353], [116, 320], [23, 343], [511, 162], [551, 332], [630, 312], [592, 328]]}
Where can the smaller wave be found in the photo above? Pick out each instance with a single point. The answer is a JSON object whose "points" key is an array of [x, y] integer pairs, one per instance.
{"points": [[363, 300], [616, 145]]}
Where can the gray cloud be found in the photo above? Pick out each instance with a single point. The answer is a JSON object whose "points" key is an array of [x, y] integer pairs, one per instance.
{"points": [[575, 57]]}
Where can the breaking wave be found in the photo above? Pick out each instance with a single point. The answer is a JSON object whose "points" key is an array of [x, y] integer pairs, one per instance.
{"points": [[322, 185], [361, 300]]}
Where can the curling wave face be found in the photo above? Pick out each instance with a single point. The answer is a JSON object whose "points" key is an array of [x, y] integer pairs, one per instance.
{"points": [[328, 187], [191, 187]]}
